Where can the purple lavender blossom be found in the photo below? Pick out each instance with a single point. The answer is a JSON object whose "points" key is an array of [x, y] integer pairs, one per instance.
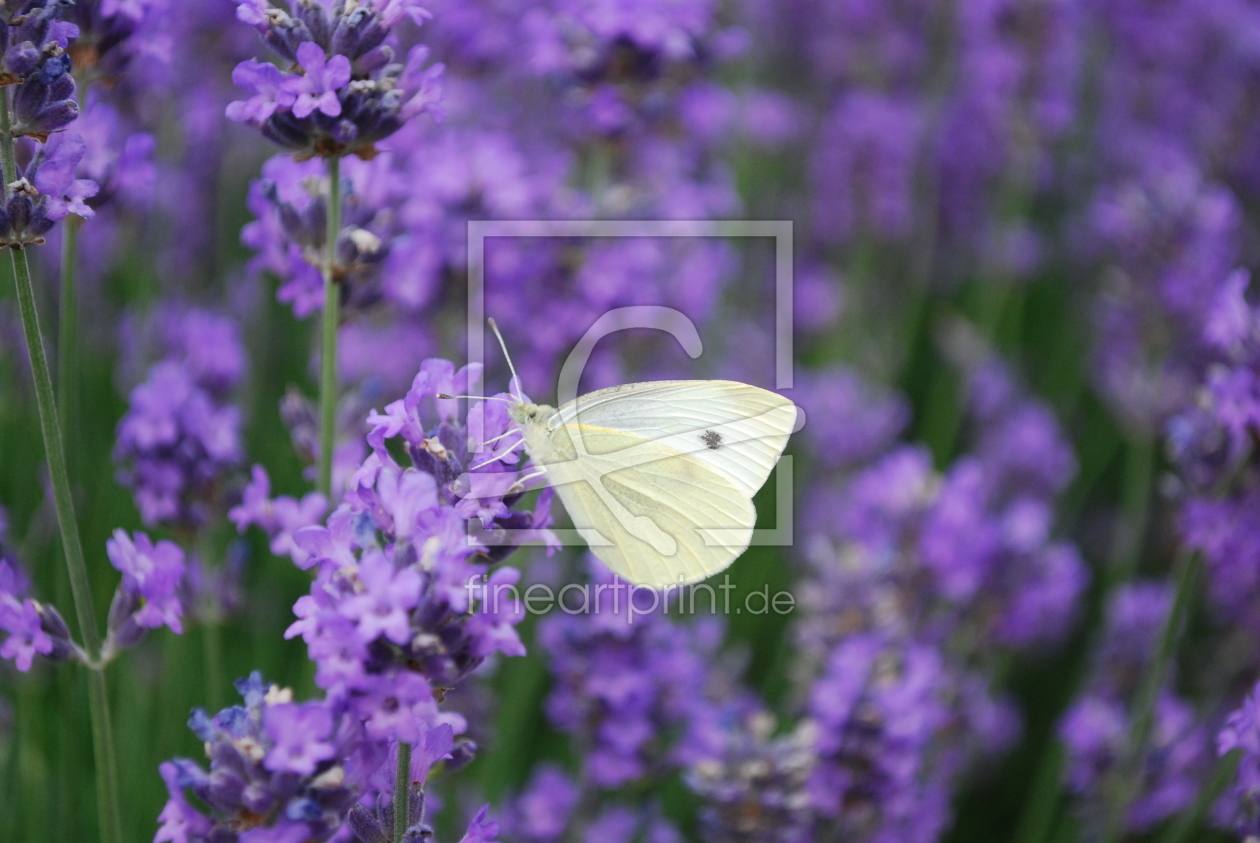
{"points": [[300, 737], [401, 605], [45, 191], [620, 683], [346, 89], [279, 517], [31, 628], [36, 64], [149, 595], [754, 787], [55, 178], [270, 778], [120, 158], [877, 708], [1096, 729], [179, 437], [540, 813], [1240, 807], [26, 636], [114, 33]]}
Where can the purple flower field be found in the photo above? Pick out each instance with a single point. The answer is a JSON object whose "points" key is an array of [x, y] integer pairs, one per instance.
{"points": [[277, 567]]}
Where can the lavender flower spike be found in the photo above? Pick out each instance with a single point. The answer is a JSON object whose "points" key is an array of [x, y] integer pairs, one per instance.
{"points": [[149, 594]]}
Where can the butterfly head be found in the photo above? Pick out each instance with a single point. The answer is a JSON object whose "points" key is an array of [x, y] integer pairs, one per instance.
{"points": [[527, 414]]}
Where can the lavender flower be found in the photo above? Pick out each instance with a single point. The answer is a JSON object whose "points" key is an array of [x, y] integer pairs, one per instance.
{"points": [[1240, 808], [31, 628], [1096, 729], [755, 787], [393, 614], [619, 684], [45, 191], [877, 709], [285, 771], [279, 517], [149, 595], [253, 791], [107, 41], [36, 63], [541, 812], [346, 90], [179, 437]]}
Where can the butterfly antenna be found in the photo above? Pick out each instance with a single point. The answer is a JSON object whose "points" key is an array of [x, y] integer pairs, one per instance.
{"points": [[446, 397], [495, 327]]}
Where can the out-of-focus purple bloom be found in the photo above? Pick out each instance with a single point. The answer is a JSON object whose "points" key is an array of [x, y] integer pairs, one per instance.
{"points": [[877, 709], [850, 420], [1095, 732], [754, 788], [620, 679], [864, 166], [179, 437], [1239, 809], [120, 158], [973, 546], [541, 812], [1096, 729], [279, 517], [113, 33]]}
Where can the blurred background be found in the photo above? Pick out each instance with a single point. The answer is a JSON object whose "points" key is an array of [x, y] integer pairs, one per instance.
{"points": [[1026, 556]]}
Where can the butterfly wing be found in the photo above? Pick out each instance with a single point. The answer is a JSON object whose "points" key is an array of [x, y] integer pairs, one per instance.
{"points": [[737, 430], [659, 476], [653, 515]]}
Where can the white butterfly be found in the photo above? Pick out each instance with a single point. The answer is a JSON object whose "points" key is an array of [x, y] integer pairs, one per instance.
{"points": [[658, 477]]}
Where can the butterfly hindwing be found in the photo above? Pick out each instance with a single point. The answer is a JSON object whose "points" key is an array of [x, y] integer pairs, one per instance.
{"points": [[666, 518]]}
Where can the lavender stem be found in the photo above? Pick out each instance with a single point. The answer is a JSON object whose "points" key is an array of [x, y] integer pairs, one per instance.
{"points": [[328, 344], [102, 736], [402, 792], [1142, 715], [68, 334], [1185, 825]]}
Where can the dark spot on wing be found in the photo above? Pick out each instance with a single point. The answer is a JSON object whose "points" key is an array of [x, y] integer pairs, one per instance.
{"points": [[712, 439]]}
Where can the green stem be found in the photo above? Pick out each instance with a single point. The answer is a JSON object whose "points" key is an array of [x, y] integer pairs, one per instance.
{"points": [[1036, 821], [1126, 543], [1142, 714], [1039, 812], [1189, 822], [68, 334], [80, 589], [211, 642], [328, 344], [402, 791]]}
